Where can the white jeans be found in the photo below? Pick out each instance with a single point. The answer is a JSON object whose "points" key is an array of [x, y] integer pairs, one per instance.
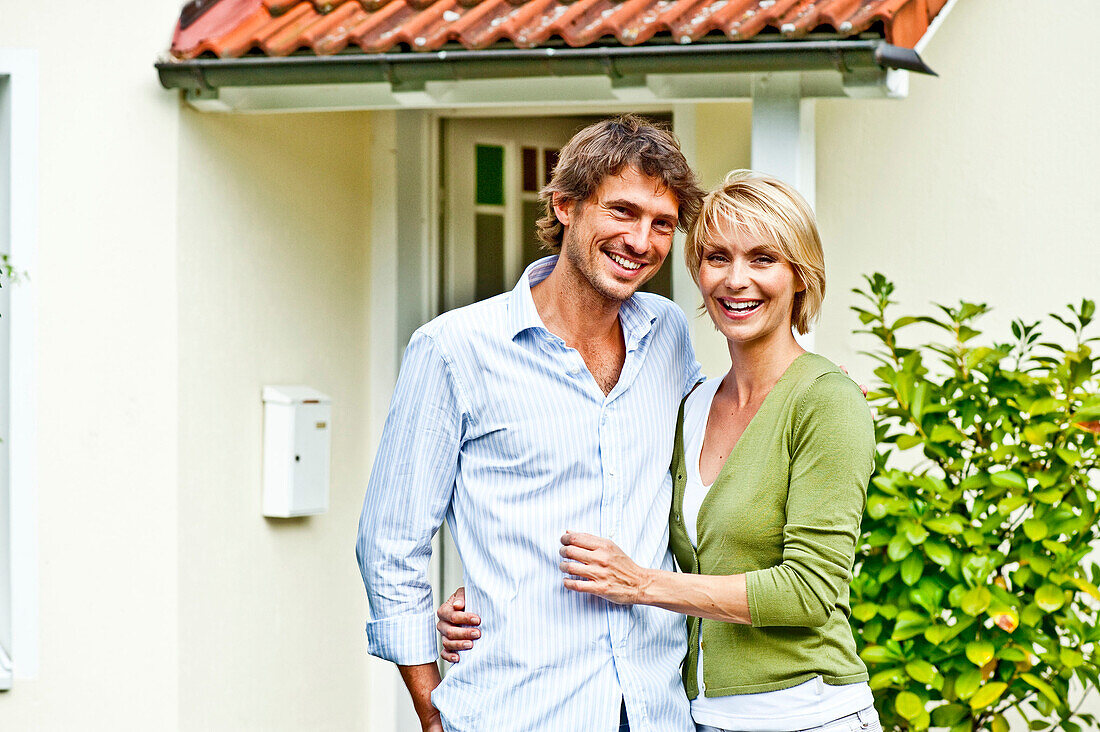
{"points": [[865, 720]]}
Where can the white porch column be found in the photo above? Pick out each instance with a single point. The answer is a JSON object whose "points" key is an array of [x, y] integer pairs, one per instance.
{"points": [[783, 139], [684, 292], [402, 296]]}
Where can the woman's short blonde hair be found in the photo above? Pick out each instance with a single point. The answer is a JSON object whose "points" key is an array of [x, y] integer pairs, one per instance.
{"points": [[771, 213]]}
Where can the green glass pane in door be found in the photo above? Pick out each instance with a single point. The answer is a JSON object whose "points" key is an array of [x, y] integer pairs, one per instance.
{"points": [[489, 258], [489, 174]]}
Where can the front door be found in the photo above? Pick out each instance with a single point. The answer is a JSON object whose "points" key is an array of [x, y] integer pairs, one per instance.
{"points": [[493, 170]]}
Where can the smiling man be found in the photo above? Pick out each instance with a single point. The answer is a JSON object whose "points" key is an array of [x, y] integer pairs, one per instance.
{"points": [[547, 408]]}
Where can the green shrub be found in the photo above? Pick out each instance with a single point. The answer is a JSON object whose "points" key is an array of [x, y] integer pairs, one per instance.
{"points": [[971, 596]]}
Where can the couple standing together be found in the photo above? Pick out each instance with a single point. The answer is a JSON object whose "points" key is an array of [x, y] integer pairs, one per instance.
{"points": [[541, 424]]}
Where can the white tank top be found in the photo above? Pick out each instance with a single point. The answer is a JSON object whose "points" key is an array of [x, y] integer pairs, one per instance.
{"points": [[809, 704]]}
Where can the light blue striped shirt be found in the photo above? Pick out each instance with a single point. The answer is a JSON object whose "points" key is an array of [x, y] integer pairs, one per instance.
{"points": [[499, 428]]}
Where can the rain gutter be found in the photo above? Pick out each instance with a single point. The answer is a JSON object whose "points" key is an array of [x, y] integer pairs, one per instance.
{"points": [[411, 70]]}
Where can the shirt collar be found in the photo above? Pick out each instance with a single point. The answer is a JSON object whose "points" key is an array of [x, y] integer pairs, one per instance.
{"points": [[635, 317]]}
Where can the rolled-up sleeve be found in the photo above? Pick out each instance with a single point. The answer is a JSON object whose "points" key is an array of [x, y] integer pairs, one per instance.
{"points": [[832, 456], [407, 498]]}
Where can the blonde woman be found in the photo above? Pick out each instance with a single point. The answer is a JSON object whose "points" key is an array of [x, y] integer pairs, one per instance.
{"points": [[769, 475]]}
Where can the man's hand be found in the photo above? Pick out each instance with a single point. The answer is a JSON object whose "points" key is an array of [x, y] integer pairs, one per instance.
{"points": [[603, 568], [458, 628]]}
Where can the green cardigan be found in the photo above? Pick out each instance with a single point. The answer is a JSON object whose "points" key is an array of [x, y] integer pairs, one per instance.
{"points": [[785, 510]]}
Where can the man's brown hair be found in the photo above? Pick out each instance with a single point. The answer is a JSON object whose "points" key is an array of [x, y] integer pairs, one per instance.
{"points": [[606, 148]]}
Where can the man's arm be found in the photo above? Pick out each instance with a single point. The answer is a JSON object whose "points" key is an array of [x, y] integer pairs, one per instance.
{"points": [[420, 680], [407, 498]]}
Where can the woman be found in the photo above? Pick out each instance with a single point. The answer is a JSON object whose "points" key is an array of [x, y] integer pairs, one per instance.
{"points": [[769, 477]]}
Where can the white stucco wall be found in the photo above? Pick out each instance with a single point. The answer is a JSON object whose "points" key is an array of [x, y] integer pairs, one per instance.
{"points": [[107, 371], [273, 257], [982, 184], [166, 602]]}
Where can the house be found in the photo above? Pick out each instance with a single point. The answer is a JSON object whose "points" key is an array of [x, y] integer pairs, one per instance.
{"points": [[305, 202]]}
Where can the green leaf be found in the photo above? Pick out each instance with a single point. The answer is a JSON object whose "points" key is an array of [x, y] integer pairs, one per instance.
{"points": [[1045, 405], [898, 548], [877, 506], [1068, 455], [1086, 414], [908, 705], [976, 600], [1045, 478], [998, 723], [1011, 503], [911, 569], [904, 442], [907, 625], [920, 399], [988, 694], [979, 652], [936, 634], [1034, 435], [915, 533], [1043, 688], [938, 552], [877, 654], [904, 321], [948, 524], [1008, 479], [1049, 598], [946, 433], [1070, 658], [967, 683], [948, 715], [922, 671], [864, 611], [1035, 528], [1031, 616], [887, 678], [1050, 496], [1085, 586]]}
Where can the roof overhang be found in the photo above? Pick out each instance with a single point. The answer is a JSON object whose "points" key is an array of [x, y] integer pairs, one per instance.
{"points": [[586, 75]]}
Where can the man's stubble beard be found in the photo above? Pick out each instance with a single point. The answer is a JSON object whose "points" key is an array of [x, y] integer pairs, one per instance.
{"points": [[576, 256]]}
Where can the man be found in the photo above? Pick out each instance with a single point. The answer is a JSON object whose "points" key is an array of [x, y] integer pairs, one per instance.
{"points": [[548, 408]]}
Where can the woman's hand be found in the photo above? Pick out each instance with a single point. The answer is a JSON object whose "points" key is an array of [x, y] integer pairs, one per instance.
{"points": [[603, 568], [458, 628]]}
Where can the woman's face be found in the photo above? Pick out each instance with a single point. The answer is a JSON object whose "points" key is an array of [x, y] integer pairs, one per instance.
{"points": [[747, 288]]}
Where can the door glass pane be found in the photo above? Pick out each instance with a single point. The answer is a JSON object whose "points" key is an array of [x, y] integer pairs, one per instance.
{"points": [[662, 282], [490, 174], [489, 241], [532, 247], [551, 159], [530, 169]]}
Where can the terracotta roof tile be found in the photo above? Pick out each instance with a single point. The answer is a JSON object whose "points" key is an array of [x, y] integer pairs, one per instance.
{"points": [[233, 28]]}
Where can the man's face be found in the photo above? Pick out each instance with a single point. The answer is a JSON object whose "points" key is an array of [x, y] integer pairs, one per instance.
{"points": [[618, 238]]}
